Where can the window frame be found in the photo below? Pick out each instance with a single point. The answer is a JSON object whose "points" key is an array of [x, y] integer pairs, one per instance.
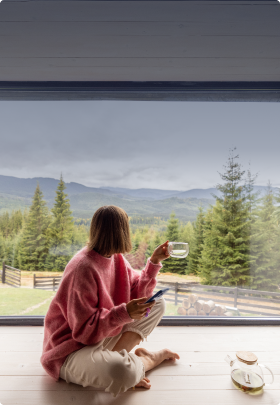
{"points": [[145, 91]]}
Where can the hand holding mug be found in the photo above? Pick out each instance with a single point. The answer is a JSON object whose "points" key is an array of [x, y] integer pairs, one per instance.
{"points": [[160, 253]]}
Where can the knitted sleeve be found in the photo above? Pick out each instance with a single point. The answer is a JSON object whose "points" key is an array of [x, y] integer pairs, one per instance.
{"points": [[143, 284]]}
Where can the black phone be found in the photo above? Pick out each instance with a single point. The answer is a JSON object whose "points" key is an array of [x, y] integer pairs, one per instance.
{"points": [[157, 295]]}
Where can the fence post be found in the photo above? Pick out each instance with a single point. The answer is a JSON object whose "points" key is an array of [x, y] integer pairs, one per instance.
{"points": [[176, 292], [235, 296], [3, 273], [53, 283], [34, 280]]}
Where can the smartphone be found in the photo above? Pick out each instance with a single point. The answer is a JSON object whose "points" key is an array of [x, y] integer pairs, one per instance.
{"points": [[157, 295]]}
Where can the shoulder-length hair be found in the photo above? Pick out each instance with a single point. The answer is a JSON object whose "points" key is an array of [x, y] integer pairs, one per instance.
{"points": [[109, 231]]}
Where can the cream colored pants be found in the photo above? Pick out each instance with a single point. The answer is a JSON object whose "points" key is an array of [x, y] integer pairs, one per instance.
{"points": [[115, 372]]}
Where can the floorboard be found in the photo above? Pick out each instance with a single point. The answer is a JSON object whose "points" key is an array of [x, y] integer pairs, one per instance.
{"points": [[201, 376]]}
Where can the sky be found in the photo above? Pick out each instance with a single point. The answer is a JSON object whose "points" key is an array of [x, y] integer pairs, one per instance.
{"points": [[138, 144]]}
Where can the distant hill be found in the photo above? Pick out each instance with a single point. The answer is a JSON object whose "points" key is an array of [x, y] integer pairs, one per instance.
{"points": [[144, 193], [84, 205], [17, 193], [26, 187]]}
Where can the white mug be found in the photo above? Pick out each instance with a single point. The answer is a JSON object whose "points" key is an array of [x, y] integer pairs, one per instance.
{"points": [[180, 250]]}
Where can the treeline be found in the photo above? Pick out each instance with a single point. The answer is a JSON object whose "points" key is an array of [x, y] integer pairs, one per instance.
{"points": [[236, 242], [40, 238], [146, 239]]}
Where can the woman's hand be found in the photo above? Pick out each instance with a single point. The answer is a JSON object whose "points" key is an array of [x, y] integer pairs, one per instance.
{"points": [[160, 253], [137, 309]]}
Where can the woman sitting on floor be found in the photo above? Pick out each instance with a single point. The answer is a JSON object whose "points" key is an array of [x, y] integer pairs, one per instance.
{"points": [[98, 313]]}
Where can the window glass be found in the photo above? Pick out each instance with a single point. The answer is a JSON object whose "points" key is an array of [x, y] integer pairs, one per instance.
{"points": [[206, 174]]}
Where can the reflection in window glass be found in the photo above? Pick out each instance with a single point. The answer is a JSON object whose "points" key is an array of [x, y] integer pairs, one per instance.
{"points": [[202, 173]]}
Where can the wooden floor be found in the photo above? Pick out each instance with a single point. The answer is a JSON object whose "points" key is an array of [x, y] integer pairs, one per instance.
{"points": [[201, 376]]}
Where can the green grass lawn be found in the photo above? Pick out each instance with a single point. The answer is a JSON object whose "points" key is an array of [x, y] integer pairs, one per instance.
{"points": [[13, 301]]}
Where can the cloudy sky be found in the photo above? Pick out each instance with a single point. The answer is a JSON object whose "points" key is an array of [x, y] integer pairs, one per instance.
{"points": [[164, 145]]}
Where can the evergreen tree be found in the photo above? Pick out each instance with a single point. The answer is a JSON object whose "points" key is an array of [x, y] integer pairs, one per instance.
{"points": [[172, 264], [186, 233], [230, 230], [196, 244], [256, 238], [157, 240], [210, 252], [264, 266], [61, 231], [34, 243]]}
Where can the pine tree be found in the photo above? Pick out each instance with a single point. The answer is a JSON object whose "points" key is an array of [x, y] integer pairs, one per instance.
{"points": [[172, 264], [196, 244], [61, 231], [210, 252], [186, 233], [230, 230], [264, 265], [34, 243]]}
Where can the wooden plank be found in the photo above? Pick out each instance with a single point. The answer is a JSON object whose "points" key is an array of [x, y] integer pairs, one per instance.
{"points": [[46, 277], [139, 397], [12, 284], [144, 28], [181, 368], [45, 283], [159, 383], [270, 64], [129, 46], [183, 11], [12, 268], [194, 342], [188, 286], [28, 360], [258, 299], [246, 291], [12, 276], [52, 73], [254, 305], [209, 294]]}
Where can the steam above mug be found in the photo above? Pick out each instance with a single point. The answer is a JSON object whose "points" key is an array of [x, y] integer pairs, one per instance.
{"points": [[180, 250]]}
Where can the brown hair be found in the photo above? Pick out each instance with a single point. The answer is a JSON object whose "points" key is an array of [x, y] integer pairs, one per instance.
{"points": [[109, 231]]}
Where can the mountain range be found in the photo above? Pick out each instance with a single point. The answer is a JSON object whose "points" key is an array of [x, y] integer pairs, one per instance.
{"points": [[17, 193]]}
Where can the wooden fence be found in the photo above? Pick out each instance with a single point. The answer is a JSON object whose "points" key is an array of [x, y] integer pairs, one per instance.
{"points": [[46, 283], [11, 276], [244, 300]]}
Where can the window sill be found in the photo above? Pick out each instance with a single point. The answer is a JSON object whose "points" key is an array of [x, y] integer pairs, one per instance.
{"points": [[165, 321]]}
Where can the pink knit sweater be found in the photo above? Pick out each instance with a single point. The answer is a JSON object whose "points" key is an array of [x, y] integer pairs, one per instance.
{"points": [[90, 304]]}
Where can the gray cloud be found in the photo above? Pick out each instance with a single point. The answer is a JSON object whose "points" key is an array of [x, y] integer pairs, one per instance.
{"points": [[171, 145]]}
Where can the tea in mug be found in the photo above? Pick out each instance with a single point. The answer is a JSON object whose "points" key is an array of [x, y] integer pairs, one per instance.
{"points": [[180, 250]]}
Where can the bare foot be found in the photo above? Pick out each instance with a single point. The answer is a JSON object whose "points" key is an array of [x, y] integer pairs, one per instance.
{"points": [[144, 383], [153, 359]]}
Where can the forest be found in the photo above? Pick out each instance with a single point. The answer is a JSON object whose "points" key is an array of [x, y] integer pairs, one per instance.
{"points": [[235, 242]]}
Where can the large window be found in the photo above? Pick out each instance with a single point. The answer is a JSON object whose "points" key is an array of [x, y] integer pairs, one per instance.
{"points": [[202, 173]]}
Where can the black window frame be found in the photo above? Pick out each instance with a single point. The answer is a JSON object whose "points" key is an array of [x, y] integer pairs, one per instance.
{"points": [[146, 91]]}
